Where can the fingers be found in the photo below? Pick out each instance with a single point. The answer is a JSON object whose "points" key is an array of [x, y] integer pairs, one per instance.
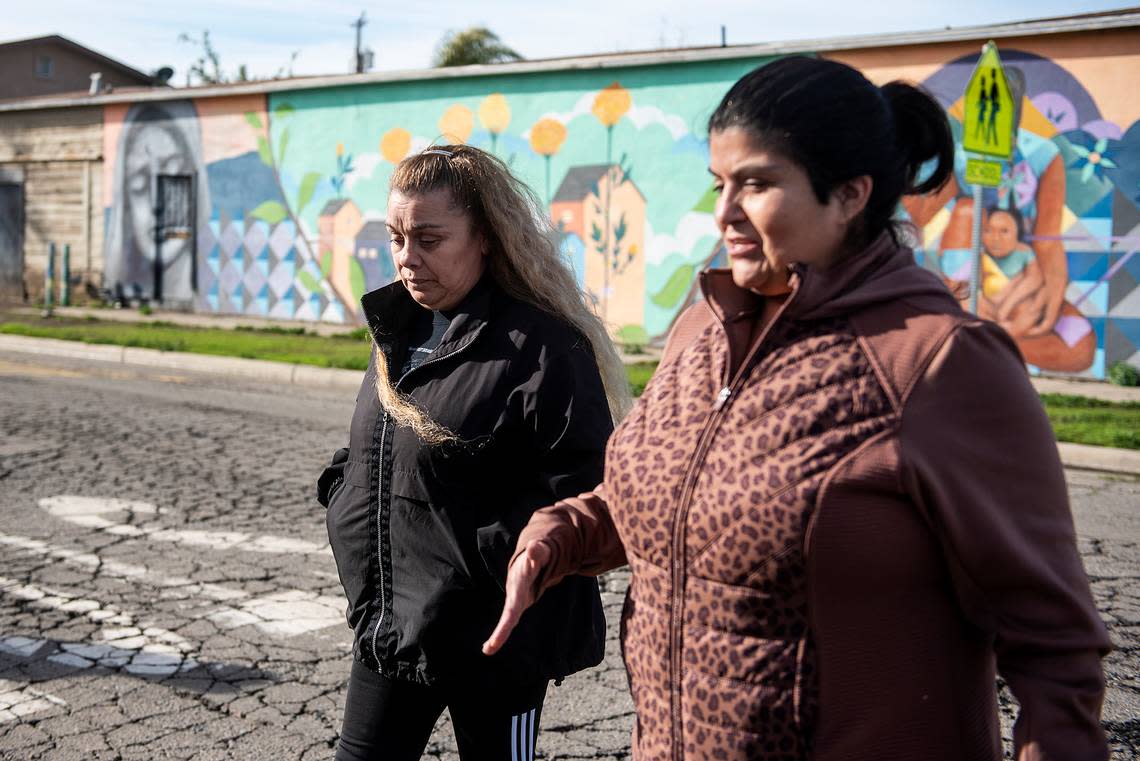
{"points": [[522, 579], [1051, 311]]}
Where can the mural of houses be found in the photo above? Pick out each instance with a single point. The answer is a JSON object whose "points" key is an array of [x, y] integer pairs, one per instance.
{"points": [[614, 271], [274, 233], [374, 254], [337, 226]]}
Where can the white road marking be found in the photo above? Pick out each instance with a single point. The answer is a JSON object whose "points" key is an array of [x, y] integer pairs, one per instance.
{"points": [[283, 613], [90, 512], [122, 570], [121, 642], [20, 700]]}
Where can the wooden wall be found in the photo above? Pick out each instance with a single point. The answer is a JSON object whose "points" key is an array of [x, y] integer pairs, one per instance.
{"points": [[58, 153]]}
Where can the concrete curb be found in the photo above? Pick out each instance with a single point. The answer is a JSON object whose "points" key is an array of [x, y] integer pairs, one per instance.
{"points": [[254, 369], [1107, 459]]}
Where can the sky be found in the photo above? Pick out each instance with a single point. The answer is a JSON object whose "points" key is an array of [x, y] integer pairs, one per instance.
{"points": [[264, 34]]}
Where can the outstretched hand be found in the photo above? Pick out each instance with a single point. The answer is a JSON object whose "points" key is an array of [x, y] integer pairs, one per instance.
{"points": [[522, 583]]}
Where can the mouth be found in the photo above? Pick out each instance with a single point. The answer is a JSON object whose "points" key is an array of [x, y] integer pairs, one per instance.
{"points": [[741, 247]]}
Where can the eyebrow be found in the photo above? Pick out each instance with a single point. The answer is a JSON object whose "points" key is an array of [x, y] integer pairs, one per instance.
{"points": [[754, 168], [418, 226]]}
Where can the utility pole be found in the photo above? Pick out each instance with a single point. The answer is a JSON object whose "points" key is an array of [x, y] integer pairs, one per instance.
{"points": [[359, 24]]}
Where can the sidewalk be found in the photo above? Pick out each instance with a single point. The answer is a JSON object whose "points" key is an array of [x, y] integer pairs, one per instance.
{"points": [[1072, 455]]}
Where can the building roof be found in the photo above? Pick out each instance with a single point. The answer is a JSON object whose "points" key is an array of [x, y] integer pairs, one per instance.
{"points": [[56, 39], [335, 205], [580, 181], [374, 233], [1120, 19]]}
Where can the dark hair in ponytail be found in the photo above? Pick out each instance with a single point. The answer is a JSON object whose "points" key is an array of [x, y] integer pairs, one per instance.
{"points": [[828, 118]]}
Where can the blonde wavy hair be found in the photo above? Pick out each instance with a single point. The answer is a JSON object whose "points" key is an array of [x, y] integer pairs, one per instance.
{"points": [[522, 257]]}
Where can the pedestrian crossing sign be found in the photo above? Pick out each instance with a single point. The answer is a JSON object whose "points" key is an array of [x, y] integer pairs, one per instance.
{"points": [[989, 109]]}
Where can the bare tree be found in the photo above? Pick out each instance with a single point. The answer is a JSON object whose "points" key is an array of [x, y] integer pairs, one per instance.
{"points": [[207, 70]]}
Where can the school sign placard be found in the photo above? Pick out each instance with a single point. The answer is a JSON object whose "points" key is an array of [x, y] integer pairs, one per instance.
{"points": [[989, 108]]}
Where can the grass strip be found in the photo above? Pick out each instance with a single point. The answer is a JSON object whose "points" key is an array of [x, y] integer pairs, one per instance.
{"points": [[1081, 420], [1075, 419], [347, 351]]}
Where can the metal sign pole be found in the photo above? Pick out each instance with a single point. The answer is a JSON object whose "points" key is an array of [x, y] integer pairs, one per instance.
{"points": [[976, 247], [987, 130]]}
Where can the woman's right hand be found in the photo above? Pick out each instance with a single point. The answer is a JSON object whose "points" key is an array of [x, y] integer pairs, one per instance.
{"points": [[522, 592]]}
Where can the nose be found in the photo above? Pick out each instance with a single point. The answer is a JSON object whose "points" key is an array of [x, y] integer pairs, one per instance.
{"points": [[727, 208], [407, 258]]}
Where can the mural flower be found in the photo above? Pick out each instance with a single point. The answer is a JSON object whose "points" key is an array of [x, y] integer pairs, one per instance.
{"points": [[343, 168], [546, 137], [395, 144], [1093, 161], [495, 116], [610, 105], [456, 123]]}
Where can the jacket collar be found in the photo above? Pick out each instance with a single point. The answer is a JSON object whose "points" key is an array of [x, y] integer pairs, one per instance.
{"points": [[390, 310], [883, 271]]}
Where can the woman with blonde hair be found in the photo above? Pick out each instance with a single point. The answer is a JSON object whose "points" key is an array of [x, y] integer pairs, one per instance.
{"points": [[491, 392]]}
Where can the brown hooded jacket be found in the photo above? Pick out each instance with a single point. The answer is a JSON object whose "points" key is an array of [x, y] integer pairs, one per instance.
{"points": [[840, 527]]}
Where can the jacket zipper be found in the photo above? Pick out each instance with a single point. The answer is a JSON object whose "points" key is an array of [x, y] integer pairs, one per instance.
{"points": [[380, 492], [680, 518]]}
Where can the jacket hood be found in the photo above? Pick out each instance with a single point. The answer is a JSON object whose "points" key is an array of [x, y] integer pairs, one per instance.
{"points": [[883, 271]]}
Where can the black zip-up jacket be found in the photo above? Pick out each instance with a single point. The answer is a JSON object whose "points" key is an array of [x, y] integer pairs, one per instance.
{"points": [[422, 534]]}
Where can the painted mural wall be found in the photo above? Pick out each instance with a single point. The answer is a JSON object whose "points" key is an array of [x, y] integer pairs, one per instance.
{"points": [[1060, 269], [291, 190]]}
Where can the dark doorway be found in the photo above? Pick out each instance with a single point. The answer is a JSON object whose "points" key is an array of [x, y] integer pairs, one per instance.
{"points": [[11, 242], [174, 238]]}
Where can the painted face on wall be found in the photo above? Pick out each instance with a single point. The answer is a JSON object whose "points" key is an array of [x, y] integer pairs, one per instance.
{"points": [[438, 256], [768, 213], [154, 144], [1000, 234]]}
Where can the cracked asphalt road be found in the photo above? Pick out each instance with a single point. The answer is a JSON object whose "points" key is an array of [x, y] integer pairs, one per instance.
{"points": [[166, 589]]}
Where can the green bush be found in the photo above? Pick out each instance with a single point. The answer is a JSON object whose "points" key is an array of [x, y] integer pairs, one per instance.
{"points": [[1123, 374]]}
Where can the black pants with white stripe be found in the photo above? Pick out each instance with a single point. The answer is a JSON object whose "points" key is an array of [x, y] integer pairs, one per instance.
{"points": [[392, 720]]}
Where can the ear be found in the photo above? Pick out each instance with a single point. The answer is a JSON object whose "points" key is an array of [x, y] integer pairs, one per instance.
{"points": [[852, 196]]}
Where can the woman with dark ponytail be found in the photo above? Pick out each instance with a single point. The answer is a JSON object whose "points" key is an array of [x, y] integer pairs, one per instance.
{"points": [[839, 496]]}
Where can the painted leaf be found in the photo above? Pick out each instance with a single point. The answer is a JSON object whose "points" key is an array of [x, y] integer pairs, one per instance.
{"points": [[282, 110], [620, 228], [253, 119], [269, 211], [595, 231], [633, 335], [707, 203], [676, 288], [264, 151], [326, 263], [356, 279], [281, 150], [309, 281], [305, 192]]}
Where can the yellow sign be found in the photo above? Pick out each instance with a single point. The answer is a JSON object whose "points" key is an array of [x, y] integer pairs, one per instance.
{"points": [[988, 124], [980, 172]]}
